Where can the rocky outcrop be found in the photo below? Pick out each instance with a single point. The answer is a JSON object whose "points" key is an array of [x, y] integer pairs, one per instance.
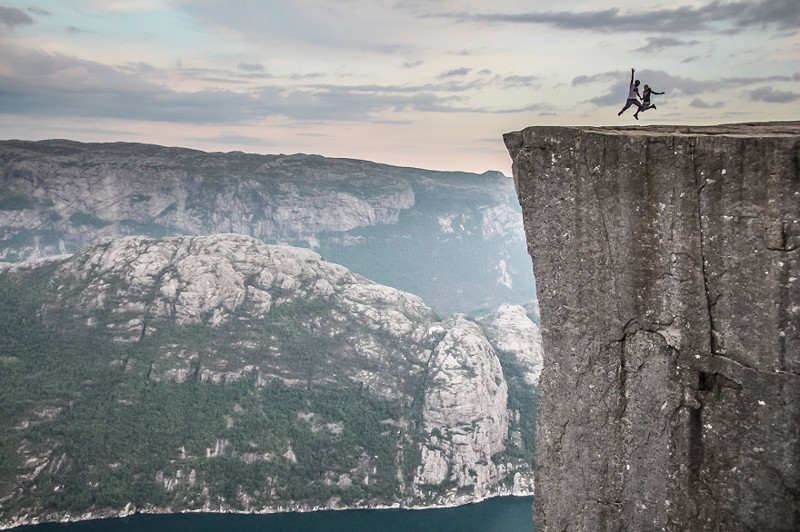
{"points": [[460, 436], [72, 194], [666, 260], [140, 284], [511, 331], [58, 196], [271, 379]]}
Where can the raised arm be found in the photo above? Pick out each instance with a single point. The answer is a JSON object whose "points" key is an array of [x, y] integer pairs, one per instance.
{"points": [[632, 71]]}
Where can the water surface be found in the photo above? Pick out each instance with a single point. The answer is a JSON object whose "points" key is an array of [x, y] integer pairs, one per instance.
{"points": [[502, 514]]}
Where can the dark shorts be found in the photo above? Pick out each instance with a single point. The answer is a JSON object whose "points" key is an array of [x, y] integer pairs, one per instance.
{"points": [[630, 102]]}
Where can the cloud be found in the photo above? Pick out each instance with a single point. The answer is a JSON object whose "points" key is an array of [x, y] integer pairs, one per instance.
{"points": [[11, 17], [456, 72], [770, 95], [140, 67], [700, 104], [40, 84], [595, 78], [251, 67], [656, 44], [39, 11], [542, 108], [327, 27], [783, 13], [515, 81]]}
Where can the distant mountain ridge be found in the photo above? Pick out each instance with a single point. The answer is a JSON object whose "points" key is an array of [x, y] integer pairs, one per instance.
{"points": [[224, 374], [453, 238]]}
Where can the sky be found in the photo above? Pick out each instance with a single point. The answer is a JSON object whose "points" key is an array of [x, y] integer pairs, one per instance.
{"points": [[425, 83]]}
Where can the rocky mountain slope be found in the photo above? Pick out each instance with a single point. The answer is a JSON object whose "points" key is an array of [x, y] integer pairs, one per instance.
{"points": [[221, 373], [667, 260], [455, 239]]}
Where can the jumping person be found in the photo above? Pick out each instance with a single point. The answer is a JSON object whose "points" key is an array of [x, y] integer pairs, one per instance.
{"points": [[646, 100], [633, 97]]}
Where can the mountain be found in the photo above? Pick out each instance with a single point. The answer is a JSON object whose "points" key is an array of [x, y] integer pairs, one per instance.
{"points": [[667, 259], [453, 238], [224, 374]]}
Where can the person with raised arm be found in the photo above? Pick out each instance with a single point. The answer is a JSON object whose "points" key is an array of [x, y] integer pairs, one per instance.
{"points": [[633, 97]]}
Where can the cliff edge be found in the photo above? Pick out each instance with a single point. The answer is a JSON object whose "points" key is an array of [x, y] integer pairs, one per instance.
{"points": [[667, 262]]}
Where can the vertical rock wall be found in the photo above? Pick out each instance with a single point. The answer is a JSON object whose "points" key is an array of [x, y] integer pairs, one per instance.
{"points": [[667, 262]]}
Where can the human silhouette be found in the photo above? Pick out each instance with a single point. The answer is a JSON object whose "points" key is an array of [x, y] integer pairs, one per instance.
{"points": [[646, 101], [633, 97]]}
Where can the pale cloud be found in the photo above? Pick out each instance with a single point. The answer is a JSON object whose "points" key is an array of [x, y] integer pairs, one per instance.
{"points": [[687, 18], [128, 6], [251, 67], [770, 95], [701, 104], [39, 11], [456, 72], [520, 81], [11, 17], [41, 84], [656, 44]]}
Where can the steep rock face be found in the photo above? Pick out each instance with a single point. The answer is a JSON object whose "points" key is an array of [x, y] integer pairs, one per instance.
{"points": [[145, 283], [224, 374], [83, 192], [461, 436], [510, 330], [667, 268], [460, 233]]}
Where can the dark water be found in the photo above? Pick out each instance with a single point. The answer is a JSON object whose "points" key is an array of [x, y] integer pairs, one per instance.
{"points": [[503, 514]]}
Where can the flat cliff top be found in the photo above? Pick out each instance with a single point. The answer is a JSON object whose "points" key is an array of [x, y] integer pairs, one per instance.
{"points": [[752, 129]]}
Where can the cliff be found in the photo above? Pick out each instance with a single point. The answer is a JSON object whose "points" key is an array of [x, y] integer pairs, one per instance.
{"points": [[219, 373], [666, 260], [453, 238]]}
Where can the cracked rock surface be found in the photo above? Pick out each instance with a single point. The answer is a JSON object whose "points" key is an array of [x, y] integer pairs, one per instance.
{"points": [[227, 312], [667, 266]]}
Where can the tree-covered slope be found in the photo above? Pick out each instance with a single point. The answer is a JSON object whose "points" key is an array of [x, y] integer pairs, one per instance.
{"points": [[221, 373]]}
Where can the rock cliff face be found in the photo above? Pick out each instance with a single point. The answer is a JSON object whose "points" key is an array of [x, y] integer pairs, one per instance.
{"points": [[224, 374], [461, 436], [666, 260], [455, 239]]}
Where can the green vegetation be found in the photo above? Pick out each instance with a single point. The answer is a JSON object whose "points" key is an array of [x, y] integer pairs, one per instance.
{"points": [[17, 202], [138, 198], [83, 219], [172, 207], [16, 246], [521, 398], [152, 229], [89, 423], [108, 434]]}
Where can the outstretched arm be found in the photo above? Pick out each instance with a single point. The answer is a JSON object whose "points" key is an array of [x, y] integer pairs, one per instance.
{"points": [[632, 71], [654, 92]]}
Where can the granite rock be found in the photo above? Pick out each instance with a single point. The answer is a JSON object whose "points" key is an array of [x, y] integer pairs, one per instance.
{"points": [[667, 265]]}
